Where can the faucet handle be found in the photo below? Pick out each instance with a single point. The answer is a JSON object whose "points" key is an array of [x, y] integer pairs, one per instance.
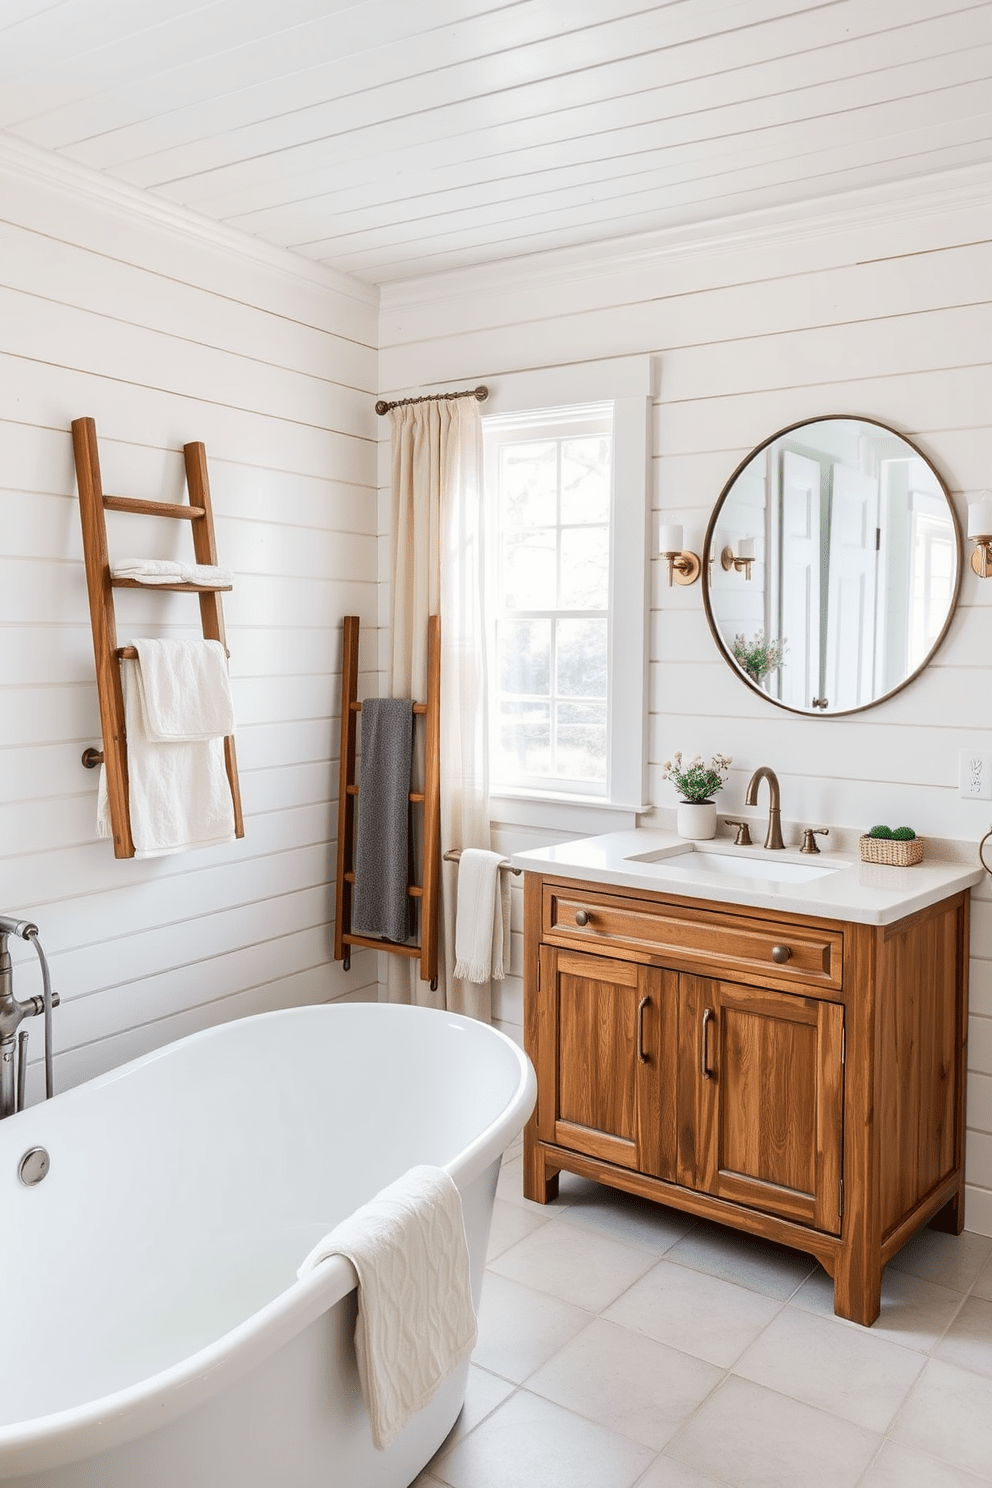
{"points": [[809, 833], [743, 838]]}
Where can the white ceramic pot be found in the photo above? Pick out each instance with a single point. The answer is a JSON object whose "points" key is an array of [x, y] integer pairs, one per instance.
{"points": [[697, 820]]}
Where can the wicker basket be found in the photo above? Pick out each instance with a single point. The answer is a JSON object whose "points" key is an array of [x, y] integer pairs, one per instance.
{"points": [[895, 854]]}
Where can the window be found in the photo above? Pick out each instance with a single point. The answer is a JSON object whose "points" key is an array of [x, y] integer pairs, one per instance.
{"points": [[549, 478], [566, 497]]}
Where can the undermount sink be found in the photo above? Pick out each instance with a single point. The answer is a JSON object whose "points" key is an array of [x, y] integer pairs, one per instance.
{"points": [[697, 862]]}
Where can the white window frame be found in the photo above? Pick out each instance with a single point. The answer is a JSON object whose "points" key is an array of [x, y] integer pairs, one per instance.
{"points": [[626, 383]]}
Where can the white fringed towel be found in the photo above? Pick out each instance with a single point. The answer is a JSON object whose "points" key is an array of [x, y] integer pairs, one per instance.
{"points": [[166, 571], [482, 917], [416, 1321], [185, 690]]}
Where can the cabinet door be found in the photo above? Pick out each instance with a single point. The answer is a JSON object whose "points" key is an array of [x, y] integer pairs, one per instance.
{"points": [[608, 1046], [761, 1099]]}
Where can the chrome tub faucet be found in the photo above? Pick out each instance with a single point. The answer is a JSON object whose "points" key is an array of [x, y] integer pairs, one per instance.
{"points": [[14, 1045], [773, 837]]}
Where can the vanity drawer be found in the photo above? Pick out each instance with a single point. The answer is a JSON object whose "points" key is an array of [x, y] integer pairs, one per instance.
{"points": [[699, 940]]}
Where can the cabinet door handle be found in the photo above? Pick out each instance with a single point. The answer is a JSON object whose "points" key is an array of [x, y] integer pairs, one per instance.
{"points": [[705, 1070], [582, 917], [644, 1002], [781, 954]]}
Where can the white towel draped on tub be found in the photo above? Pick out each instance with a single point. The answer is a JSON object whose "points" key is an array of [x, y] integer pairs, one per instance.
{"points": [[416, 1321], [179, 796], [482, 917]]}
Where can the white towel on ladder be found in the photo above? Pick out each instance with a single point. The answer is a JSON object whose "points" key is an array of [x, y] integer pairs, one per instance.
{"points": [[185, 690], [416, 1320], [166, 571], [179, 796], [482, 917]]}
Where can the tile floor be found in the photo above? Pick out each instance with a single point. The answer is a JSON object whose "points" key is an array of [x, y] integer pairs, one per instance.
{"points": [[621, 1343]]}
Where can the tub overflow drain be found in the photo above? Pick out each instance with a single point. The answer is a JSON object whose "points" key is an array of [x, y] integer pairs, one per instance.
{"points": [[34, 1166]]}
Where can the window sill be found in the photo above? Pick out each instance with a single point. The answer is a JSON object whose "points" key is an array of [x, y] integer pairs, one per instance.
{"points": [[588, 815]]}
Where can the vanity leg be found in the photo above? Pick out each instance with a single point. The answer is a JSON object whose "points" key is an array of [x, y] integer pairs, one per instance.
{"points": [[540, 1180], [950, 1219], [857, 1287]]}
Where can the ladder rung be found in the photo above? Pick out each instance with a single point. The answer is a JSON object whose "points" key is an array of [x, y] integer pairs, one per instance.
{"points": [[134, 504], [381, 945], [414, 891], [130, 653], [417, 707], [172, 588], [415, 797]]}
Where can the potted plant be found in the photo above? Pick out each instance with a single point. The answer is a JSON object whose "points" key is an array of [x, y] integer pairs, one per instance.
{"points": [[697, 783], [757, 657]]}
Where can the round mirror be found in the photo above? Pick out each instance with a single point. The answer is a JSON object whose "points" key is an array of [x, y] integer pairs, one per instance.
{"points": [[834, 565]]}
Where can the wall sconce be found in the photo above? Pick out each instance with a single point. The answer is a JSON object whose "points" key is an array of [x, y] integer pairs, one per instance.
{"points": [[744, 558], [683, 568], [980, 532]]}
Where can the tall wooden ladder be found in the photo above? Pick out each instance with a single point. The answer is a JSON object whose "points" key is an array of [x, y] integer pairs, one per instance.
{"points": [[100, 583], [428, 891]]}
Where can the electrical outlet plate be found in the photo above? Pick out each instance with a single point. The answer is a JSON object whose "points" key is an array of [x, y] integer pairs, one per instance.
{"points": [[975, 775]]}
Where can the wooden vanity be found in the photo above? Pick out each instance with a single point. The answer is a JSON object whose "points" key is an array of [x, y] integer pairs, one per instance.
{"points": [[795, 1076]]}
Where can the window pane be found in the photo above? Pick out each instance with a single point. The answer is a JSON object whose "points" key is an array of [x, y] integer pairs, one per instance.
{"points": [[523, 650], [524, 739], [581, 734], [552, 511], [581, 658], [529, 577], [528, 483], [585, 479], [585, 568]]}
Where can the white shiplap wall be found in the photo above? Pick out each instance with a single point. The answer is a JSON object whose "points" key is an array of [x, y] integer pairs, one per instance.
{"points": [[882, 312], [167, 330]]}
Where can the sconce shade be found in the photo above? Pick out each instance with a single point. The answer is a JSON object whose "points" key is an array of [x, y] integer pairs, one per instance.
{"points": [[670, 538], [980, 515]]}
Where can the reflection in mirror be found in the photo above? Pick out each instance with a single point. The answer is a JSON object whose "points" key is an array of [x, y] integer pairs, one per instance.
{"points": [[834, 565]]}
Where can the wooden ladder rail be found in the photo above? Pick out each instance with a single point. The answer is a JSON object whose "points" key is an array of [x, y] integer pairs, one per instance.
{"points": [[100, 585], [429, 890]]}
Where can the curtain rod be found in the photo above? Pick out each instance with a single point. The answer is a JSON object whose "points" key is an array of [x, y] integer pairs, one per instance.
{"points": [[482, 393]]}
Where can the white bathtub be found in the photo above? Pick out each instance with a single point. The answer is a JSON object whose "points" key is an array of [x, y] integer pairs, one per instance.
{"points": [[152, 1329]]}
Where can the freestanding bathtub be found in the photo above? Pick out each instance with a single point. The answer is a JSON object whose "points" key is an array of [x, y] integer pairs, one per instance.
{"points": [[152, 1328]]}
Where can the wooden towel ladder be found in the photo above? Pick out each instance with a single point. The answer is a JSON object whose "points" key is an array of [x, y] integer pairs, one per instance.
{"points": [[101, 585], [428, 890]]}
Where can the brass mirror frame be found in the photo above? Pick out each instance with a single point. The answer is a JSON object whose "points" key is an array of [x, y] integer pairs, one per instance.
{"points": [[708, 558]]}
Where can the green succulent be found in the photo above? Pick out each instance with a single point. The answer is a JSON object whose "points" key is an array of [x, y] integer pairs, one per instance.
{"points": [[903, 834], [885, 832]]}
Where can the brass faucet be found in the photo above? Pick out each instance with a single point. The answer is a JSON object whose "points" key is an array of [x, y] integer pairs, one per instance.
{"points": [[773, 837]]}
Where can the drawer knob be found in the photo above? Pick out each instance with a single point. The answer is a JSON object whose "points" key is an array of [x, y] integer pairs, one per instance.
{"points": [[781, 954], [582, 917]]}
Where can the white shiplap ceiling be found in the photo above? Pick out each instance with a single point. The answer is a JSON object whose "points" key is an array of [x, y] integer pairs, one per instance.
{"points": [[394, 138]]}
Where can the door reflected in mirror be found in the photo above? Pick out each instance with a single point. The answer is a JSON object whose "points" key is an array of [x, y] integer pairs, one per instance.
{"points": [[834, 565]]}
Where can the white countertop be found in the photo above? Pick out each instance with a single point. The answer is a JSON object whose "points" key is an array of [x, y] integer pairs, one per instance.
{"points": [[646, 858]]}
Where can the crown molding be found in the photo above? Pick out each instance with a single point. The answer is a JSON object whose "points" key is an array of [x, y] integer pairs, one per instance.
{"points": [[32, 163], [867, 207]]}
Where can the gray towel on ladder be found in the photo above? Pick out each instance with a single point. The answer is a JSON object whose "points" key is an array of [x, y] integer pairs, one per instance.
{"points": [[379, 903]]}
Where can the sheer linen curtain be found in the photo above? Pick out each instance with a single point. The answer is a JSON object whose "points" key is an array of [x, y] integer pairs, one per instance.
{"points": [[438, 568]]}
